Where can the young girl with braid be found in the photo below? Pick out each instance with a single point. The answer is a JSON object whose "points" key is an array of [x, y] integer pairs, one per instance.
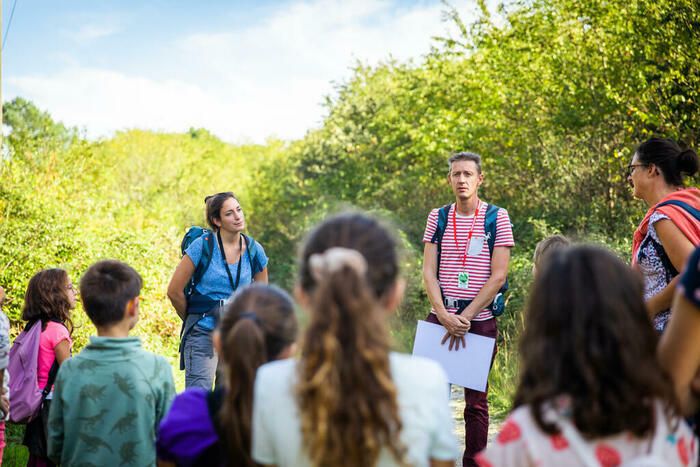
{"points": [[213, 428], [349, 400]]}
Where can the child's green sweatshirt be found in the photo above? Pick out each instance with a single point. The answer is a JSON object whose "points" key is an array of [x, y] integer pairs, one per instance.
{"points": [[107, 404]]}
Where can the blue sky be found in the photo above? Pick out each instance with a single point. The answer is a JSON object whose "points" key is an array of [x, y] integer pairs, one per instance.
{"points": [[245, 70]]}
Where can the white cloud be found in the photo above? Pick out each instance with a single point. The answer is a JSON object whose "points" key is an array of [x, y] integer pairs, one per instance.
{"points": [[267, 78], [90, 32], [105, 101]]}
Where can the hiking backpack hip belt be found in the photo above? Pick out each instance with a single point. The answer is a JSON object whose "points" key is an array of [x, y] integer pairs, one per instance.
{"points": [[461, 304], [205, 306], [458, 303]]}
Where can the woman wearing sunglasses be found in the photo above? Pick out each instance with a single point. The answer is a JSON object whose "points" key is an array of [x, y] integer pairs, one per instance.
{"points": [[670, 229]]}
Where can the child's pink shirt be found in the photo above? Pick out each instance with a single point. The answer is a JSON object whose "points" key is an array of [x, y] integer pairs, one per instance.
{"points": [[50, 338]]}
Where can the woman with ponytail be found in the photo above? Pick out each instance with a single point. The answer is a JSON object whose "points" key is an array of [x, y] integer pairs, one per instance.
{"points": [[670, 229], [349, 400], [213, 268], [214, 428]]}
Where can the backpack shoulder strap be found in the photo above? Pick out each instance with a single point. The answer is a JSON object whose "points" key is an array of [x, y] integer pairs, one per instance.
{"points": [[490, 230], [683, 205], [250, 245], [205, 259], [490, 221], [443, 216], [53, 372]]}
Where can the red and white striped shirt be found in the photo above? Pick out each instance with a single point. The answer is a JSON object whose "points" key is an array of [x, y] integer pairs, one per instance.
{"points": [[478, 263]]}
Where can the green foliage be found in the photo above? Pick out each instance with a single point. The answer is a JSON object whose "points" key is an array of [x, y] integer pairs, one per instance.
{"points": [[66, 202], [554, 94]]}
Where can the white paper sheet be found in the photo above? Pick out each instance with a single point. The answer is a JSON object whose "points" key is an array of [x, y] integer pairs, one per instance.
{"points": [[467, 367]]}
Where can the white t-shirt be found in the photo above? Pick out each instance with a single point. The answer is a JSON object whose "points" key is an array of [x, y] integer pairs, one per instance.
{"points": [[423, 404]]}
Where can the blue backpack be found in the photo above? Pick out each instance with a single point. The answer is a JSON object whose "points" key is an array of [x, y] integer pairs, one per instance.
{"points": [[683, 205], [192, 234], [497, 307]]}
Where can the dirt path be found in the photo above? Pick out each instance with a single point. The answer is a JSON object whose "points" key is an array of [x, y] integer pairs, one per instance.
{"points": [[457, 405]]}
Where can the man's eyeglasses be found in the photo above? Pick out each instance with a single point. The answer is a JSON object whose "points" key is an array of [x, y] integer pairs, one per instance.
{"points": [[631, 167]]}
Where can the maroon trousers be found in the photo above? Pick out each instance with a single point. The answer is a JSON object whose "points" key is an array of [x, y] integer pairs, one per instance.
{"points": [[476, 405]]}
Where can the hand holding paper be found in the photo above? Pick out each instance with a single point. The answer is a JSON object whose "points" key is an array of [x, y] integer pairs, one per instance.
{"points": [[468, 366]]}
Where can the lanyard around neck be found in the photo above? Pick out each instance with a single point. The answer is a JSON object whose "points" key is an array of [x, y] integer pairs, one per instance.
{"points": [[234, 285], [469, 235]]}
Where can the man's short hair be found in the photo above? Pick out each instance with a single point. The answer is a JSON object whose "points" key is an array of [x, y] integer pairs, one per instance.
{"points": [[464, 156], [106, 288]]}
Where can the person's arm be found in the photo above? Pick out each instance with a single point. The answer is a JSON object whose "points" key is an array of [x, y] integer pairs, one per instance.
{"points": [[499, 273], [55, 424], [62, 351], [4, 398], [455, 325], [678, 351], [176, 288], [678, 248], [261, 277]]}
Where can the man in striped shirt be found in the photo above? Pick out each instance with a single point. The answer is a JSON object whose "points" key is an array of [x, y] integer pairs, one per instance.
{"points": [[468, 274]]}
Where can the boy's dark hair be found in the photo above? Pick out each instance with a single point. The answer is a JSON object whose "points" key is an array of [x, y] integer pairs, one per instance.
{"points": [[106, 288], [587, 336], [464, 156]]}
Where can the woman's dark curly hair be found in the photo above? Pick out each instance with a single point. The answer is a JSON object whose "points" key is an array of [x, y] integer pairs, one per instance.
{"points": [[587, 336]]}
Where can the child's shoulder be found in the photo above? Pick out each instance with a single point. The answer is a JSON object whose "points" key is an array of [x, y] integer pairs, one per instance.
{"points": [[155, 365], [54, 326], [55, 332]]}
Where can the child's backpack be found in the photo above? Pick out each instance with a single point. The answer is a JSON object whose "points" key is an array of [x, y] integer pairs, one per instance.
{"points": [[497, 307], [27, 396]]}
